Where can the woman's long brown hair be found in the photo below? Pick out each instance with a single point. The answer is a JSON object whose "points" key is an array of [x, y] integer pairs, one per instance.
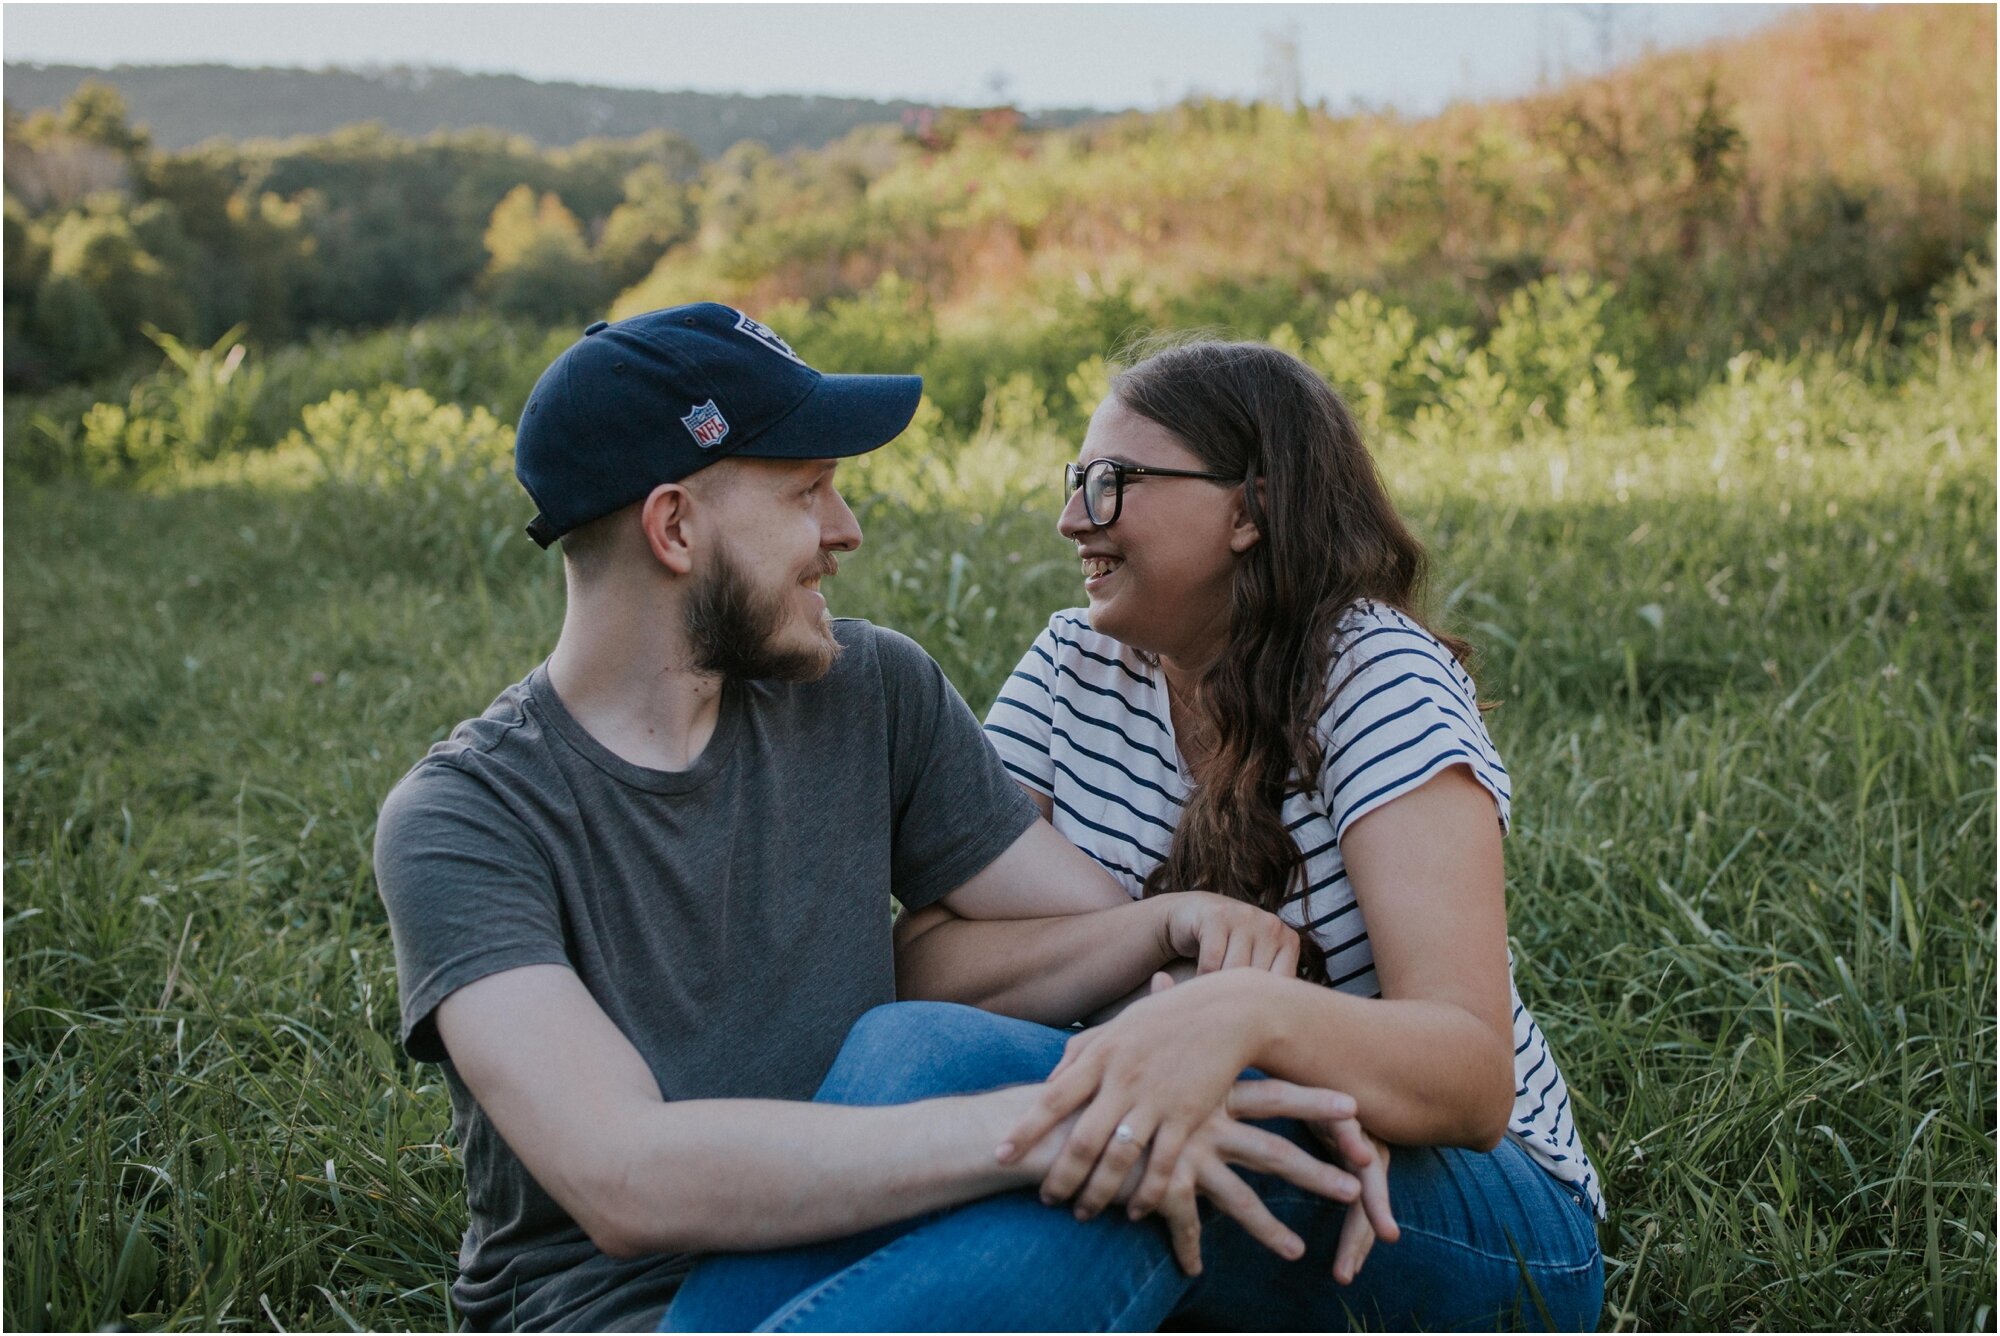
{"points": [[1328, 537]]}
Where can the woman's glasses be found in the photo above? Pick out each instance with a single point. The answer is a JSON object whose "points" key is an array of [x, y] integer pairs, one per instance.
{"points": [[1103, 484]]}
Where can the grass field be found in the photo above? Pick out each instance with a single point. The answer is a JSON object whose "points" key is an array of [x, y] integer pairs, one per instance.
{"points": [[1744, 667]]}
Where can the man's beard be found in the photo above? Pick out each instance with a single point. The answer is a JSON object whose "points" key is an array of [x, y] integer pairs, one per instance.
{"points": [[734, 628]]}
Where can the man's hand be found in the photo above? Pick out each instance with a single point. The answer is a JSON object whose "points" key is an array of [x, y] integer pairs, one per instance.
{"points": [[1204, 1167], [1370, 1218], [1226, 1139], [1219, 933]]}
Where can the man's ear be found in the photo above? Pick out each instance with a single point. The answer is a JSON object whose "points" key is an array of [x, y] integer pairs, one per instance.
{"points": [[1243, 531], [665, 516]]}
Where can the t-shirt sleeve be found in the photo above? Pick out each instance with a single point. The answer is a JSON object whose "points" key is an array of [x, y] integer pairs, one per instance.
{"points": [[1403, 712], [1018, 724], [469, 892], [956, 809]]}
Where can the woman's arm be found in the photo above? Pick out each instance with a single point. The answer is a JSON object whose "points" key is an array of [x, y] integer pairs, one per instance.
{"points": [[1430, 1062]]}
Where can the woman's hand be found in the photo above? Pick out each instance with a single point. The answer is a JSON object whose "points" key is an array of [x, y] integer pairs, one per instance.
{"points": [[1149, 1079], [1369, 1218], [1224, 1142], [1219, 933]]}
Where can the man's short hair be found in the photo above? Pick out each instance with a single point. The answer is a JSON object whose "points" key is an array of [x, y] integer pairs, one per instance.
{"points": [[590, 549]]}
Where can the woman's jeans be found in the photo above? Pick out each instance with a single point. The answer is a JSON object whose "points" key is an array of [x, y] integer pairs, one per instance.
{"points": [[1488, 1240]]}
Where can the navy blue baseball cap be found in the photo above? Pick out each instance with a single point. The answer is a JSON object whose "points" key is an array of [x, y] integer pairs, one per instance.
{"points": [[657, 397]]}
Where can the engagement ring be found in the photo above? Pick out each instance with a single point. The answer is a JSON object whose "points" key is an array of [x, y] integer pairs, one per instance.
{"points": [[1124, 1133]]}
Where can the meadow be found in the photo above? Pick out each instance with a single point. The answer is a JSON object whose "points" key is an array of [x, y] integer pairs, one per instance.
{"points": [[1741, 653]]}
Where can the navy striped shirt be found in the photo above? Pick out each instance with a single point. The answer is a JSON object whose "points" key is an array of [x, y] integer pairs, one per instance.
{"points": [[1084, 721]]}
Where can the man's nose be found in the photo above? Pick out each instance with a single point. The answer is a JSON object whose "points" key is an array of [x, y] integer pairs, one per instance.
{"points": [[842, 532]]}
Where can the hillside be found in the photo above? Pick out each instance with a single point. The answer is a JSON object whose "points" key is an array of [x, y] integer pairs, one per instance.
{"points": [[1757, 191], [184, 105], [1827, 173]]}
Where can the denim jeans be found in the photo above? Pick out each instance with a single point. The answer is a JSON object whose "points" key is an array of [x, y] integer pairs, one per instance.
{"points": [[1488, 1240]]}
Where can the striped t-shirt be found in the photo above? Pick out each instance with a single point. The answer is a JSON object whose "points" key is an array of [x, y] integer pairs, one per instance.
{"points": [[1084, 720]]}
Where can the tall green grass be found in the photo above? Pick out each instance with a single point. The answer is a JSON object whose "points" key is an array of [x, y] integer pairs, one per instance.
{"points": [[1742, 662]]}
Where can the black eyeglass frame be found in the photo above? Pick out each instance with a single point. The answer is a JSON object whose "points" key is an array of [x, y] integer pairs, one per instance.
{"points": [[1075, 477]]}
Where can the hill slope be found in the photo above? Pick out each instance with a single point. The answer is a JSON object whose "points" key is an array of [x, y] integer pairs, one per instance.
{"points": [[183, 105]]}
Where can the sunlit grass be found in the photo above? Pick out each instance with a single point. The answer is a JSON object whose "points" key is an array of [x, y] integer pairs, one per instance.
{"points": [[1743, 671]]}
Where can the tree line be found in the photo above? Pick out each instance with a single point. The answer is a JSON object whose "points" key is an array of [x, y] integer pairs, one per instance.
{"points": [[1794, 186]]}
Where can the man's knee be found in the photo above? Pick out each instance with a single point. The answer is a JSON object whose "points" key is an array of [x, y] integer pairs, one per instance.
{"points": [[905, 1051]]}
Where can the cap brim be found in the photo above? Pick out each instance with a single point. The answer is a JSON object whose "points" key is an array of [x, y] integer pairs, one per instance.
{"points": [[843, 416]]}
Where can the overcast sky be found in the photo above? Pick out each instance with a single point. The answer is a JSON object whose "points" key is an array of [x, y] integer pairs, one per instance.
{"points": [[1413, 57]]}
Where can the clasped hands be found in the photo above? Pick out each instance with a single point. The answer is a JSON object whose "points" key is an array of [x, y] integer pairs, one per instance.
{"points": [[1158, 1116]]}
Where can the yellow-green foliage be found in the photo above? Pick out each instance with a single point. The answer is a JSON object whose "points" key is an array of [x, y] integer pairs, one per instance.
{"points": [[1750, 192]]}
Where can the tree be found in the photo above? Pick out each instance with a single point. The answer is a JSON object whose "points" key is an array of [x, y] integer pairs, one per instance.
{"points": [[656, 216], [96, 114], [540, 268]]}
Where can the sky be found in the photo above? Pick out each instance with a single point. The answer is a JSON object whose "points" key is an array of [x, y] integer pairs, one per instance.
{"points": [[1413, 57]]}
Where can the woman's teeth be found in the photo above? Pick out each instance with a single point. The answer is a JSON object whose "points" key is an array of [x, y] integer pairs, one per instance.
{"points": [[1096, 566]]}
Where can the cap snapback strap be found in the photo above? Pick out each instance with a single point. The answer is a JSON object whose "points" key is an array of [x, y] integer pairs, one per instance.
{"points": [[542, 531]]}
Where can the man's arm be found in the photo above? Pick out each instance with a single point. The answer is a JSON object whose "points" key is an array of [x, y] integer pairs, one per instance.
{"points": [[1042, 933], [575, 1101], [1045, 934]]}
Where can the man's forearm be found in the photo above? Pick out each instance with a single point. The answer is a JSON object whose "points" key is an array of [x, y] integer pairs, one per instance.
{"points": [[737, 1175], [1050, 970]]}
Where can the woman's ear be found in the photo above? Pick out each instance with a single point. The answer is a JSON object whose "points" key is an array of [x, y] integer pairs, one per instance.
{"points": [[1243, 531]]}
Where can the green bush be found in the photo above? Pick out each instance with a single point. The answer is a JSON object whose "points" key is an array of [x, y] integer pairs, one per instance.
{"points": [[199, 406], [406, 479]]}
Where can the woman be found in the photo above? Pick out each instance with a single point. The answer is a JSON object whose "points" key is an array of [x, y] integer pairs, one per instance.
{"points": [[1251, 706]]}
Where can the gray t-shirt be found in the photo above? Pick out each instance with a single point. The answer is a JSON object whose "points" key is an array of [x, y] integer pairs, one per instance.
{"points": [[732, 919]]}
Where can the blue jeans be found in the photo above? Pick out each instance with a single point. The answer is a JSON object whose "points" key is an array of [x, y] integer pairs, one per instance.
{"points": [[1488, 1240]]}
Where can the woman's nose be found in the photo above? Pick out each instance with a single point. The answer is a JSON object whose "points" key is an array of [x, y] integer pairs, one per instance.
{"points": [[1074, 520]]}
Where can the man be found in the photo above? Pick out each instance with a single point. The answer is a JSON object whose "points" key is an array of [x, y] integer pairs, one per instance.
{"points": [[639, 903]]}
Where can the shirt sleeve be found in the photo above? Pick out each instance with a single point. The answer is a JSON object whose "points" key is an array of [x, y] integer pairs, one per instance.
{"points": [[1018, 724], [1403, 712], [469, 891], [956, 809]]}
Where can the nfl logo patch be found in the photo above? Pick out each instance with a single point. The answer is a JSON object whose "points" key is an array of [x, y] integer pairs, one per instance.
{"points": [[707, 425], [764, 335]]}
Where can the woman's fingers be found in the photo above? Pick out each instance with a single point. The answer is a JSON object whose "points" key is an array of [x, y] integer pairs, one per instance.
{"points": [[1277, 950], [1164, 1158], [1078, 1045], [1221, 1185], [1286, 963], [1273, 1098], [1356, 1238], [1058, 1100], [1129, 1140], [1236, 955], [1085, 1145], [1214, 944]]}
